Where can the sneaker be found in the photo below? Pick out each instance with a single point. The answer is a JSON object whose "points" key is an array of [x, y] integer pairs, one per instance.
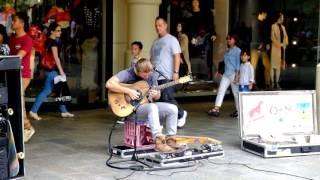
{"points": [[28, 133], [67, 115], [182, 120], [34, 116]]}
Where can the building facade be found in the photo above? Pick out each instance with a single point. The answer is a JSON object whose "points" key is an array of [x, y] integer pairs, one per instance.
{"points": [[97, 35]]}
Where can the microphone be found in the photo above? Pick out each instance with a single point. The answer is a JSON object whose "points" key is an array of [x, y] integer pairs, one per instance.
{"points": [[155, 69]]}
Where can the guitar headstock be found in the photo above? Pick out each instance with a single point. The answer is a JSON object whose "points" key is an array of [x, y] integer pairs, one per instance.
{"points": [[184, 79]]}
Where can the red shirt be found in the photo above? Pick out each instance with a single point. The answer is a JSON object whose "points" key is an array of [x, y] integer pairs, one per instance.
{"points": [[22, 43]]}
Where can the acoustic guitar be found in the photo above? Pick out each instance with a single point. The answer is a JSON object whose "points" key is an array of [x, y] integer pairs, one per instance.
{"points": [[122, 105]]}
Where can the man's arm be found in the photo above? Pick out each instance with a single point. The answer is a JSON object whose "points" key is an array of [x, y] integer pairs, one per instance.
{"points": [[237, 59], [22, 53], [176, 66], [54, 51], [26, 47], [113, 84]]}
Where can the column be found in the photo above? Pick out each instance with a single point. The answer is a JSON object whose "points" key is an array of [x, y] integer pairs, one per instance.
{"points": [[120, 34], [221, 19], [141, 18], [248, 13], [104, 47]]}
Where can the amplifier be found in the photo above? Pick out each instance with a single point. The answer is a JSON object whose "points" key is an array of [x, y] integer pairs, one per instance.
{"points": [[4, 158], [3, 95]]}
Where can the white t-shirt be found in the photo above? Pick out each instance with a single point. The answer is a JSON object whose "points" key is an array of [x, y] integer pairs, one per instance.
{"points": [[162, 54], [246, 73]]}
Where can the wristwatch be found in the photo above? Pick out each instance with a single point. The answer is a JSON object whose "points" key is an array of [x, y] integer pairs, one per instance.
{"points": [[176, 72]]}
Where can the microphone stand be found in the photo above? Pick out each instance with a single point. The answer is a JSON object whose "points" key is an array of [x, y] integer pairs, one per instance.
{"points": [[160, 73], [134, 155]]}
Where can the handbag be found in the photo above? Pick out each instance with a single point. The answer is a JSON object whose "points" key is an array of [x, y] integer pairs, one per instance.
{"points": [[47, 62]]}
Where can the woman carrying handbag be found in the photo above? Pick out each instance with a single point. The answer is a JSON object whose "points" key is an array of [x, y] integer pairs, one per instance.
{"points": [[52, 65]]}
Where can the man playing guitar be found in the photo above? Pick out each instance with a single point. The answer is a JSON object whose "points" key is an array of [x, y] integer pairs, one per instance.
{"points": [[153, 111]]}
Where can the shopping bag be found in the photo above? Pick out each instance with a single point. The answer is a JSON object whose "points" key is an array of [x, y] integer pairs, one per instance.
{"points": [[62, 92]]}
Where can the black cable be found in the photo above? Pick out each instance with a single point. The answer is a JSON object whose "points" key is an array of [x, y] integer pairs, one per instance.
{"points": [[165, 168], [261, 170], [176, 172], [134, 167], [158, 169], [134, 155], [110, 149], [126, 176]]}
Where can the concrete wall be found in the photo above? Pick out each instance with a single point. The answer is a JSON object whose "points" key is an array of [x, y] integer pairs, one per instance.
{"points": [[133, 21], [221, 19]]}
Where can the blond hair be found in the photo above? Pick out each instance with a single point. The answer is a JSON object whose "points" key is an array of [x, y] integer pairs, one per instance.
{"points": [[143, 65]]}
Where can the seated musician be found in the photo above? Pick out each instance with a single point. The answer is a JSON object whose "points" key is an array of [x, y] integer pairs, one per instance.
{"points": [[153, 111]]}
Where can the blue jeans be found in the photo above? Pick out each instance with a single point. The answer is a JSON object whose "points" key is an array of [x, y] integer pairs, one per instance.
{"points": [[167, 95], [46, 91], [244, 88]]}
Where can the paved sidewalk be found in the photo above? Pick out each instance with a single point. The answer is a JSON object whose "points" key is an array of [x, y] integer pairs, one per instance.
{"points": [[76, 149]]}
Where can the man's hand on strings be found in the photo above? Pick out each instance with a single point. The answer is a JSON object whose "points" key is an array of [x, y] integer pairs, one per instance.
{"points": [[133, 94]]}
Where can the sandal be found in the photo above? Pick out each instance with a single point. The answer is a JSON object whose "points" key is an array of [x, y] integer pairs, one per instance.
{"points": [[214, 112], [234, 114]]}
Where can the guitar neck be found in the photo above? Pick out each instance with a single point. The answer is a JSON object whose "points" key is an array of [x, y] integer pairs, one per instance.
{"points": [[166, 85]]}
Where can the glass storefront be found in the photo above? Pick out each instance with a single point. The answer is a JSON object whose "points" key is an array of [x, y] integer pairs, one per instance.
{"points": [[301, 21], [82, 39], [81, 22], [192, 19]]}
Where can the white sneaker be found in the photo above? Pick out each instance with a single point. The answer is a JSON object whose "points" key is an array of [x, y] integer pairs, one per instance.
{"points": [[34, 116], [182, 120], [67, 115], [28, 133]]}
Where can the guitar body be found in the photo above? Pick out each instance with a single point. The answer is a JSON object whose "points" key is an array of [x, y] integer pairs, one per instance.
{"points": [[121, 104]]}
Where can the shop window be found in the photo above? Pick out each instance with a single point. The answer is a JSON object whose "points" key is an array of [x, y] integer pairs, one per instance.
{"points": [[301, 21], [81, 23], [191, 21]]}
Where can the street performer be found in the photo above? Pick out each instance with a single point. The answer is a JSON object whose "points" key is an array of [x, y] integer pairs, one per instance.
{"points": [[152, 111]]}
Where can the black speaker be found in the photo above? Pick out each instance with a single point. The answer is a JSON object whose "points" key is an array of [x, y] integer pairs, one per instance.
{"points": [[4, 143], [11, 104]]}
